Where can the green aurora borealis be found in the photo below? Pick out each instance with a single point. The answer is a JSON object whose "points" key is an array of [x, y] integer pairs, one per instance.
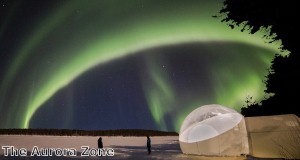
{"points": [[69, 38]]}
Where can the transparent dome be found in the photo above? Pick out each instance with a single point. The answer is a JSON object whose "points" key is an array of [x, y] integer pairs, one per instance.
{"points": [[207, 122]]}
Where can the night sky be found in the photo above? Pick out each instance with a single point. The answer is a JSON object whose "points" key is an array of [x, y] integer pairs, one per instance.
{"points": [[115, 64]]}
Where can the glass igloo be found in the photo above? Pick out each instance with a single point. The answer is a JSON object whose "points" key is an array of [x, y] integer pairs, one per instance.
{"points": [[213, 130]]}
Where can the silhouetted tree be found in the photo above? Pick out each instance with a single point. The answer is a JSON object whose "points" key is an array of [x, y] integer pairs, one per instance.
{"points": [[283, 79]]}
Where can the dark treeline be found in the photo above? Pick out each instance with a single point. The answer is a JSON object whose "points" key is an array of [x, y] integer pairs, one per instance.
{"points": [[68, 132], [283, 79]]}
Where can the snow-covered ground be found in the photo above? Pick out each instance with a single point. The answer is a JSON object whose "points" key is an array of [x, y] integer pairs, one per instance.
{"points": [[166, 147]]}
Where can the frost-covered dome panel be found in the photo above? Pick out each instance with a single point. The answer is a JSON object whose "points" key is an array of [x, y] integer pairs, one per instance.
{"points": [[207, 122], [204, 112], [191, 135]]}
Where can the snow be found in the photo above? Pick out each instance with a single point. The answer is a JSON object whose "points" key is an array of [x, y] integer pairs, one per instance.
{"points": [[166, 147]]}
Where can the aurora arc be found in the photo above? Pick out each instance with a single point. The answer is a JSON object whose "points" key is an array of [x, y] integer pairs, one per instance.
{"points": [[114, 40]]}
